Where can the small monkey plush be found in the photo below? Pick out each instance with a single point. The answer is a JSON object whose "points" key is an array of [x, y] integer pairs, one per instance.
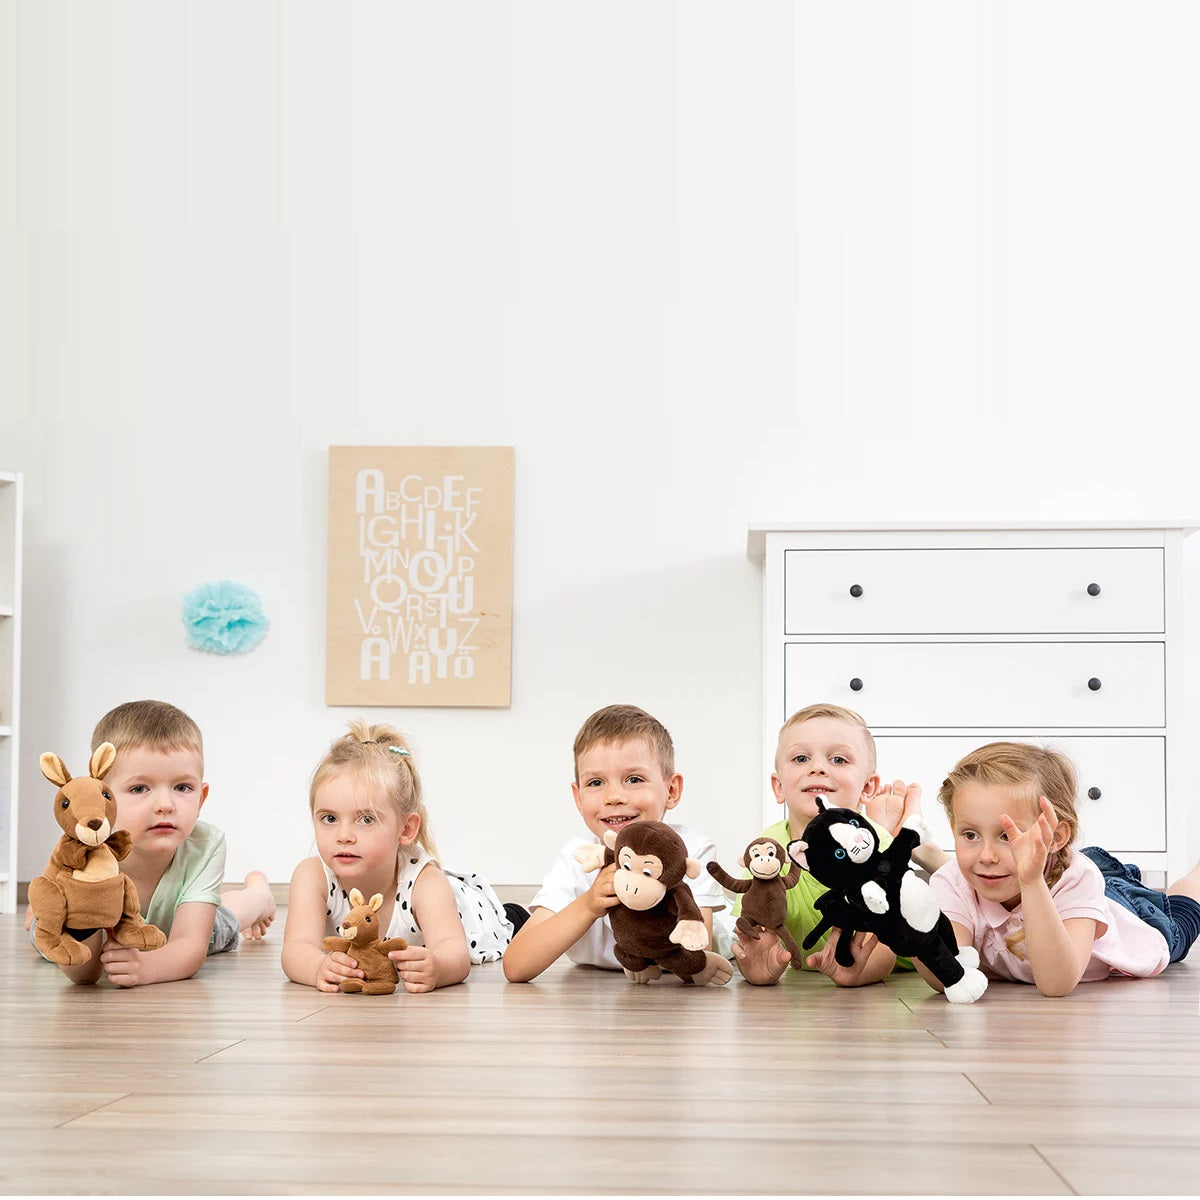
{"points": [[358, 936], [657, 925], [83, 888], [764, 903]]}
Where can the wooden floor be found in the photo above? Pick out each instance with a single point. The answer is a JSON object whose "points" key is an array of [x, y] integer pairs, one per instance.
{"points": [[239, 1082]]}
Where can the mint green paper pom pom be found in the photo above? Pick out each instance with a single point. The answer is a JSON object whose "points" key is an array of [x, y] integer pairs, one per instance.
{"points": [[224, 618]]}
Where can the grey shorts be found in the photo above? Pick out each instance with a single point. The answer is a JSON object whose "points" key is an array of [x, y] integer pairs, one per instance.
{"points": [[225, 932]]}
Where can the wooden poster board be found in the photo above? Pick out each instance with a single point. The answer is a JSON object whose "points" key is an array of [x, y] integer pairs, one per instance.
{"points": [[419, 597]]}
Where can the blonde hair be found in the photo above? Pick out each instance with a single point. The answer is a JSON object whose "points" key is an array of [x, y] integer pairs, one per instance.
{"points": [[837, 713], [150, 724], [626, 723], [1028, 772], [380, 758]]}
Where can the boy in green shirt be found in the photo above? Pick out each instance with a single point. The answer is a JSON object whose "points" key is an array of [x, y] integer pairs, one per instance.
{"points": [[176, 862], [827, 751]]}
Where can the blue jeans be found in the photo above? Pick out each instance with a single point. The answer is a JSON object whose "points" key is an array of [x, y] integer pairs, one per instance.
{"points": [[1177, 918]]}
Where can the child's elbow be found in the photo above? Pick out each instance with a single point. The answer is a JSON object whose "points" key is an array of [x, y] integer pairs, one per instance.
{"points": [[515, 971], [1058, 987]]}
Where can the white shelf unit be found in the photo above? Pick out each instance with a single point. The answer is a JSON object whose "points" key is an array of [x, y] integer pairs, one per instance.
{"points": [[947, 636], [10, 681]]}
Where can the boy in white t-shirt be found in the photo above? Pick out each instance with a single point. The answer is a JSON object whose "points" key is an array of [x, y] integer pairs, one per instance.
{"points": [[624, 771]]}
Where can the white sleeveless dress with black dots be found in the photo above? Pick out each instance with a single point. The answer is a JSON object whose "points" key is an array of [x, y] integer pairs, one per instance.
{"points": [[487, 928]]}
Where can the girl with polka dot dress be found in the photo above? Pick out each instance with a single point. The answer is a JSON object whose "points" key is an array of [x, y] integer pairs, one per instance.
{"points": [[372, 833]]}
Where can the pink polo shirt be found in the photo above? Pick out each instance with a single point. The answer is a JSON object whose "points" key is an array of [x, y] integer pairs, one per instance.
{"points": [[1125, 944]]}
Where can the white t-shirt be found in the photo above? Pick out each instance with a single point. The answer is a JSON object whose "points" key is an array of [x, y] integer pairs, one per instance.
{"points": [[566, 881], [1124, 945]]}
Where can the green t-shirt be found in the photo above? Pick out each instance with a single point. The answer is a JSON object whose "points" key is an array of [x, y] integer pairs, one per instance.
{"points": [[196, 873], [802, 915]]}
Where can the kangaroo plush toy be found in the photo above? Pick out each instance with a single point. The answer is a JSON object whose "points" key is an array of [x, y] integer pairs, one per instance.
{"points": [[358, 936], [83, 889]]}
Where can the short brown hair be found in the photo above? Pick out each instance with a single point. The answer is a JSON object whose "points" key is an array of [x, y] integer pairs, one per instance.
{"points": [[152, 724], [1028, 771], [837, 713], [626, 723]]}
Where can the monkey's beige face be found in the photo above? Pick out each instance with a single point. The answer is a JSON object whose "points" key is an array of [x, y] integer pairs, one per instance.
{"points": [[638, 882], [761, 860]]}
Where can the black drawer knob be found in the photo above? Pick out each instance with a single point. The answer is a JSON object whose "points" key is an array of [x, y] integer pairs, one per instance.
{"points": [[1093, 589], [1093, 793], [856, 685], [1094, 684], [856, 590]]}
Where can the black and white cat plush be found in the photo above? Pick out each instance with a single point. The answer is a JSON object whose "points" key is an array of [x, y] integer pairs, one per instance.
{"points": [[878, 892]]}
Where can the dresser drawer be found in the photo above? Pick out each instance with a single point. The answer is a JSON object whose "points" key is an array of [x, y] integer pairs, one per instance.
{"points": [[900, 685], [973, 591], [1125, 776]]}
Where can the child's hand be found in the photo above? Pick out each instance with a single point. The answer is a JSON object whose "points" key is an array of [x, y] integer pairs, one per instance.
{"points": [[861, 946], [761, 961], [1031, 847], [28, 917], [122, 964], [336, 966], [417, 967], [893, 803], [601, 896]]}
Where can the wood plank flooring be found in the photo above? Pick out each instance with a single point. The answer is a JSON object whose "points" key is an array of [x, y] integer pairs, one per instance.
{"points": [[238, 1082]]}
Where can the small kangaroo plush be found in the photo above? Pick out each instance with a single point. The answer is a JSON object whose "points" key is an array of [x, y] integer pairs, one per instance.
{"points": [[359, 938], [83, 890]]}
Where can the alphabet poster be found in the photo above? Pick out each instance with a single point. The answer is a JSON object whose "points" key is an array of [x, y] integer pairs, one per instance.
{"points": [[419, 597]]}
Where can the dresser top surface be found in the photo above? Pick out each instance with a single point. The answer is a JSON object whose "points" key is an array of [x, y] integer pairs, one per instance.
{"points": [[756, 537]]}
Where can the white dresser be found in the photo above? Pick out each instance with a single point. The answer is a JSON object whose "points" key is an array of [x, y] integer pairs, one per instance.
{"points": [[945, 637]]}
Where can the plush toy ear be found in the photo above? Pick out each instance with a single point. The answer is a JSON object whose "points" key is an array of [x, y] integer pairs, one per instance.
{"points": [[796, 851], [375, 902], [742, 861], [610, 838], [691, 868], [55, 769], [356, 898], [102, 760]]}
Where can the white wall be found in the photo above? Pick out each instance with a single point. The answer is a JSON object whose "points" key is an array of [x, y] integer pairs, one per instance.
{"points": [[700, 264]]}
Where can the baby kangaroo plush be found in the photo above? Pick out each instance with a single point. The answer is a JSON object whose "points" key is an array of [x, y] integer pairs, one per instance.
{"points": [[83, 890], [359, 938]]}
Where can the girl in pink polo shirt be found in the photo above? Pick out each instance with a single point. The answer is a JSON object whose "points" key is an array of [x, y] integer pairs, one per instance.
{"points": [[1037, 911]]}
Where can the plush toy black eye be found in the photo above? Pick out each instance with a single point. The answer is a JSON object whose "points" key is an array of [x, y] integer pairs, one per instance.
{"points": [[839, 854], [65, 803], [106, 794], [853, 822], [368, 920]]}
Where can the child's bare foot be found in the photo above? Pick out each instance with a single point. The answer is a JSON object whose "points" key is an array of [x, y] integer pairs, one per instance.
{"points": [[253, 905], [1189, 885], [893, 804]]}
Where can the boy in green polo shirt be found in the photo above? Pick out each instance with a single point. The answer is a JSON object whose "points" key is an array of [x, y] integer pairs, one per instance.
{"points": [[827, 751]]}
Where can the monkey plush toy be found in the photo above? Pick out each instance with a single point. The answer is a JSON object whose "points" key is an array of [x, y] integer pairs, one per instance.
{"points": [[764, 903], [657, 924], [877, 891]]}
